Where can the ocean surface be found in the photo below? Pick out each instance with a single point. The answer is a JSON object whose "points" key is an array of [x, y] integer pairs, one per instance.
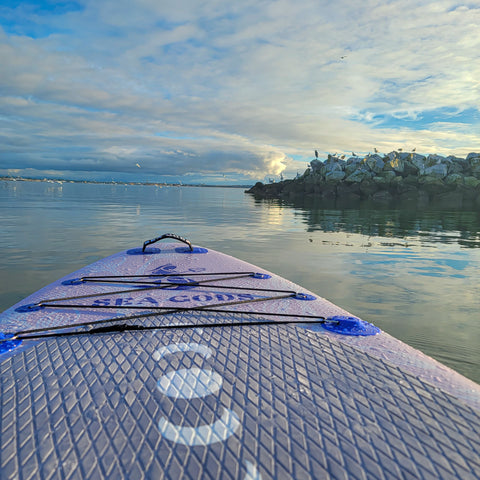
{"points": [[412, 272]]}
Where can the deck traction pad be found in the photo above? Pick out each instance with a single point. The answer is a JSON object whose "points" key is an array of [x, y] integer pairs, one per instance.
{"points": [[309, 407]]}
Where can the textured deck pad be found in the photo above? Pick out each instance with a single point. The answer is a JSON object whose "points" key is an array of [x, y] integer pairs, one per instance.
{"points": [[244, 402]]}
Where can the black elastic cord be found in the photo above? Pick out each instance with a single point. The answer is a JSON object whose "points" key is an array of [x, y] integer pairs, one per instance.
{"points": [[119, 328], [162, 310]]}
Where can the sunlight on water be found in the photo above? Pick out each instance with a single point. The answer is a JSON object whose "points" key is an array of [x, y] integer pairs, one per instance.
{"points": [[412, 273]]}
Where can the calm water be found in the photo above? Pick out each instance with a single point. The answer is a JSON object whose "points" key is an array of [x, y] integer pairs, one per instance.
{"points": [[413, 273]]}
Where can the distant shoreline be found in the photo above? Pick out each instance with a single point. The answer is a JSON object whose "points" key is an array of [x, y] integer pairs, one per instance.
{"points": [[150, 184]]}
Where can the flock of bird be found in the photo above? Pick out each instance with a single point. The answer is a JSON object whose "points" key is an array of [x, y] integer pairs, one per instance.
{"points": [[342, 157]]}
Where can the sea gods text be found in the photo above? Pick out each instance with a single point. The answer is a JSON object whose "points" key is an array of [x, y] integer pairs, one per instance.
{"points": [[149, 301]]}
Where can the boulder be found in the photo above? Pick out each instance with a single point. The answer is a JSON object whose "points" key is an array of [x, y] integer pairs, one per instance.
{"points": [[334, 176], [471, 182], [317, 166], [333, 160], [474, 162], [410, 169], [352, 164], [472, 155], [368, 187], [433, 160], [457, 165], [411, 180], [374, 162], [453, 179], [419, 162], [432, 184], [404, 155], [397, 164], [359, 176], [388, 175], [380, 180], [439, 170], [331, 166]]}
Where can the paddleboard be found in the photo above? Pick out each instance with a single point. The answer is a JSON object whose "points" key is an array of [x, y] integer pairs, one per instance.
{"points": [[171, 360]]}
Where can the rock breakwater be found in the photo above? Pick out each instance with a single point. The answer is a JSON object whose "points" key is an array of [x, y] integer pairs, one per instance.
{"points": [[398, 176]]}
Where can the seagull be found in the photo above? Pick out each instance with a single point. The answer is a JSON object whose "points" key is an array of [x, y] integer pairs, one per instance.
{"points": [[354, 154], [375, 150], [343, 57], [414, 149], [316, 154], [400, 149], [138, 165]]}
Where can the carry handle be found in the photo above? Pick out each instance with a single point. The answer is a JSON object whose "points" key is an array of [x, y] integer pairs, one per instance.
{"points": [[167, 235]]}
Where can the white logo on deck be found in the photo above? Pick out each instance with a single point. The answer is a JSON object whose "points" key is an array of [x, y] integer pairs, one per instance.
{"points": [[188, 383], [191, 383]]}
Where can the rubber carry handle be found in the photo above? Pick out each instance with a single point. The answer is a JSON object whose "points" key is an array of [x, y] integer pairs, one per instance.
{"points": [[167, 235]]}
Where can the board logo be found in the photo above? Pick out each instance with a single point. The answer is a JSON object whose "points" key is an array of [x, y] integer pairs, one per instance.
{"points": [[194, 382]]}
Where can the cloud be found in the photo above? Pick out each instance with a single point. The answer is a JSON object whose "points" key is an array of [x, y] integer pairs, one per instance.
{"points": [[252, 88]]}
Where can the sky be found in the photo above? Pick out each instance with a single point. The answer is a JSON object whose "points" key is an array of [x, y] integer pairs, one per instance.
{"points": [[217, 92]]}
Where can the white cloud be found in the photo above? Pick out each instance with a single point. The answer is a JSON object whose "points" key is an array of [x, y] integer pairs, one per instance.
{"points": [[212, 86]]}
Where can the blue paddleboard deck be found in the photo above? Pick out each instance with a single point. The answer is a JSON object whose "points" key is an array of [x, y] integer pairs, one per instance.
{"points": [[236, 373], [287, 403]]}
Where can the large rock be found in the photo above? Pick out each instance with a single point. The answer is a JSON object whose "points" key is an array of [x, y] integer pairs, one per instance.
{"points": [[397, 164], [317, 166], [419, 162], [432, 184], [352, 164], [374, 162], [472, 155], [457, 165], [439, 170], [453, 179], [471, 182], [368, 187], [359, 176], [332, 166], [334, 176], [433, 159], [388, 175], [474, 162], [333, 160]]}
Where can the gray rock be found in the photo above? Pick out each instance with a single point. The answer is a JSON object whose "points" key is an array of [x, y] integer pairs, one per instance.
{"points": [[404, 155], [334, 176], [388, 175], [439, 170], [471, 182], [368, 188], [397, 164], [419, 162], [359, 176], [410, 168], [457, 165], [352, 165], [317, 166], [380, 180], [433, 159], [472, 155], [330, 167], [374, 162], [454, 179], [332, 160]]}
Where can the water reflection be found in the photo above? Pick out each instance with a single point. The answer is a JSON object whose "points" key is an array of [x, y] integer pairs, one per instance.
{"points": [[427, 224]]}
